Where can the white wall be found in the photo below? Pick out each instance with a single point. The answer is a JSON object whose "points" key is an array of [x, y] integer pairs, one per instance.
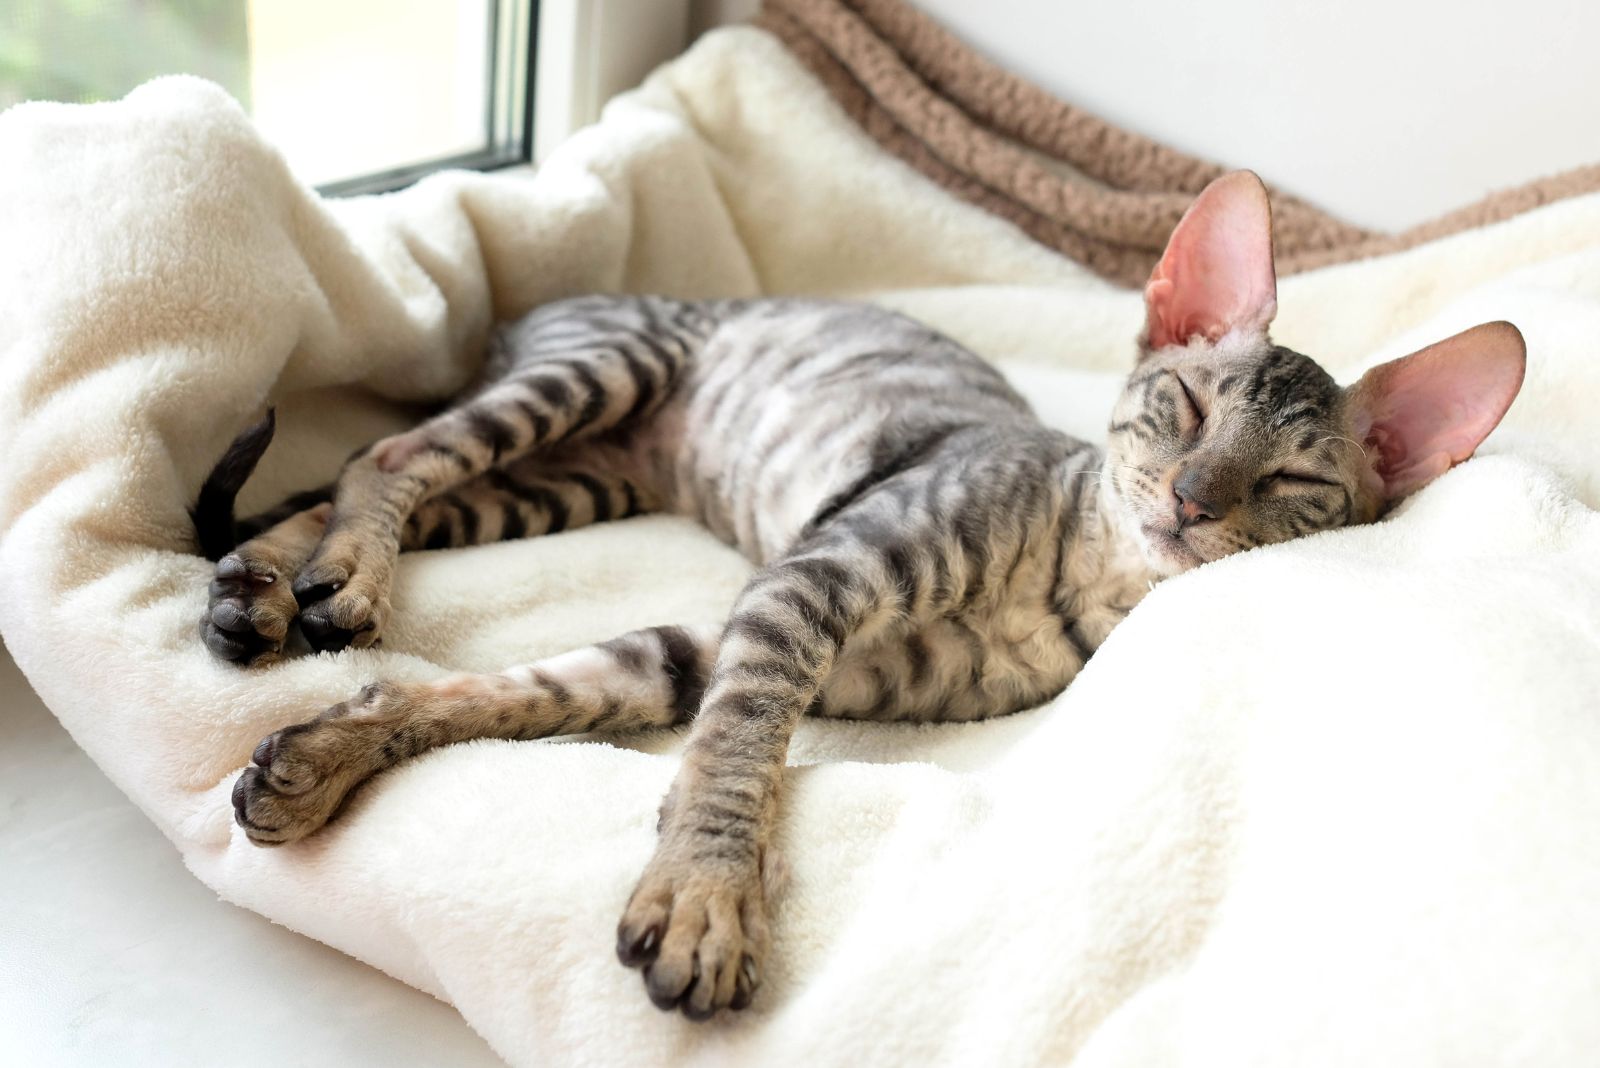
{"points": [[1386, 112], [591, 50]]}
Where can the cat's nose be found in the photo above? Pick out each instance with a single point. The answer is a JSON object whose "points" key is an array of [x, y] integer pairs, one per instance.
{"points": [[1191, 512], [1192, 503]]}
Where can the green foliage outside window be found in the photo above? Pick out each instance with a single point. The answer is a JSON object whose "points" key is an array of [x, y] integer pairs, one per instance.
{"points": [[81, 51]]}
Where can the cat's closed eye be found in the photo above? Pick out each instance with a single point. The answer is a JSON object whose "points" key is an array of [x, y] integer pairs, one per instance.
{"points": [[1293, 482], [1191, 416]]}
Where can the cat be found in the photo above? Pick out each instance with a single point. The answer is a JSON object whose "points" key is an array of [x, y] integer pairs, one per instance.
{"points": [[927, 549]]}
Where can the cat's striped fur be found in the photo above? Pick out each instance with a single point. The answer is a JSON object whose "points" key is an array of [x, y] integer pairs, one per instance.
{"points": [[927, 549]]}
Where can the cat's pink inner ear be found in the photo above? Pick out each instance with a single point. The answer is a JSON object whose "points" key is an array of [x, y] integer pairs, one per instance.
{"points": [[1422, 414], [1216, 275]]}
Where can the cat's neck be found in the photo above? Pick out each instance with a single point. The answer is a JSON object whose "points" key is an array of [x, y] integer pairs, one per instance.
{"points": [[1105, 571]]}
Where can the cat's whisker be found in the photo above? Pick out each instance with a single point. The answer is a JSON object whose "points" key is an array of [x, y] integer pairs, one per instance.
{"points": [[1101, 473], [1115, 481], [1341, 437]]}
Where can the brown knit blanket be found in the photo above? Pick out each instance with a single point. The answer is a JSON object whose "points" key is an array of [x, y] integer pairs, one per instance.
{"points": [[1101, 195]]}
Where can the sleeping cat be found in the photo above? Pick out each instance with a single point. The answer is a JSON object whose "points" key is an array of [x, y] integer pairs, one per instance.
{"points": [[927, 549]]}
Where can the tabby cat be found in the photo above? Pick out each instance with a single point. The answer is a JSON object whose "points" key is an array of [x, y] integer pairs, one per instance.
{"points": [[927, 549]]}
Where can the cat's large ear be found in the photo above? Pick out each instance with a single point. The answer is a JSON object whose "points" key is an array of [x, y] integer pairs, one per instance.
{"points": [[1422, 414], [1216, 275]]}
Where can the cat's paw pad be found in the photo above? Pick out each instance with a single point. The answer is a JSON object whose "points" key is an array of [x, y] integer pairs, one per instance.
{"points": [[250, 609], [698, 932], [339, 607]]}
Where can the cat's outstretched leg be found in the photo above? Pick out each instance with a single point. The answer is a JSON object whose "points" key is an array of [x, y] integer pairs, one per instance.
{"points": [[301, 774], [697, 923]]}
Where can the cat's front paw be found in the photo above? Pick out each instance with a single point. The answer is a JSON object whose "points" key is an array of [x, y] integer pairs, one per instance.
{"points": [[250, 609], [344, 600], [302, 774], [697, 928]]}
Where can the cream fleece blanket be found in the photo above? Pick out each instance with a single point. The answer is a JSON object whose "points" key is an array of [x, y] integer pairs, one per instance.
{"points": [[1332, 802]]}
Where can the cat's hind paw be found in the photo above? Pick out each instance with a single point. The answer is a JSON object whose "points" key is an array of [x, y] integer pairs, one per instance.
{"points": [[250, 610]]}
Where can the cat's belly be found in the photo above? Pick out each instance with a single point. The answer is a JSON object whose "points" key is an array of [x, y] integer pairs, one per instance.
{"points": [[960, 667], [759, 488]]}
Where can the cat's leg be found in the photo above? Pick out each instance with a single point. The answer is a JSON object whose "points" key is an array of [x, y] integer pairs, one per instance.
{"points": [[697, 923], [251, 605], [343, 589], [301, 774], [524, 501]]}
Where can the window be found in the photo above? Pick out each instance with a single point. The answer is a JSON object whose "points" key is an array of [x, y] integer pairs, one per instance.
{"points": [[361, 95]]}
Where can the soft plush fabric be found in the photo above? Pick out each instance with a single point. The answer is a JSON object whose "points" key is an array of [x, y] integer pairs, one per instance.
{"points": [[1332, 802]]}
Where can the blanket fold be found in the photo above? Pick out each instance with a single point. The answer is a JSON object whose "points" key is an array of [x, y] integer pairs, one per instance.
{"points": [[1102, 195], [1331, 802]]}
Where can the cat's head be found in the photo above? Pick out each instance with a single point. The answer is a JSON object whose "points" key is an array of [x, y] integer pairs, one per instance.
{"points": [[1222, 440]]}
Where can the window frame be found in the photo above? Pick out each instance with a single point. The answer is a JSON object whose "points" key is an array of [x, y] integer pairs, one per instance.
{"points": [[512, 72]]}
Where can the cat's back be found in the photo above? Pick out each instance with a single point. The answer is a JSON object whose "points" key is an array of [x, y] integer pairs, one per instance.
{"points": [[743, 348], [784, 403], [791, 402], [822, 343]]}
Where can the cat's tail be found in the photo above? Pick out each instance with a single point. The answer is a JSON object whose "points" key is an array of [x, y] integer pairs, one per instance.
{"points": [[212, 513]]}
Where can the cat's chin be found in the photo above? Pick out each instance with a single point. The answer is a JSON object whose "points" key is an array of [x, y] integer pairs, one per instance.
{"points": [[1168, 552]]}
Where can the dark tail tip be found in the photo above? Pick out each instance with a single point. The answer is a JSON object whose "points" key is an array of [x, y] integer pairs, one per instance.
{"points": [[213, 510]]}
